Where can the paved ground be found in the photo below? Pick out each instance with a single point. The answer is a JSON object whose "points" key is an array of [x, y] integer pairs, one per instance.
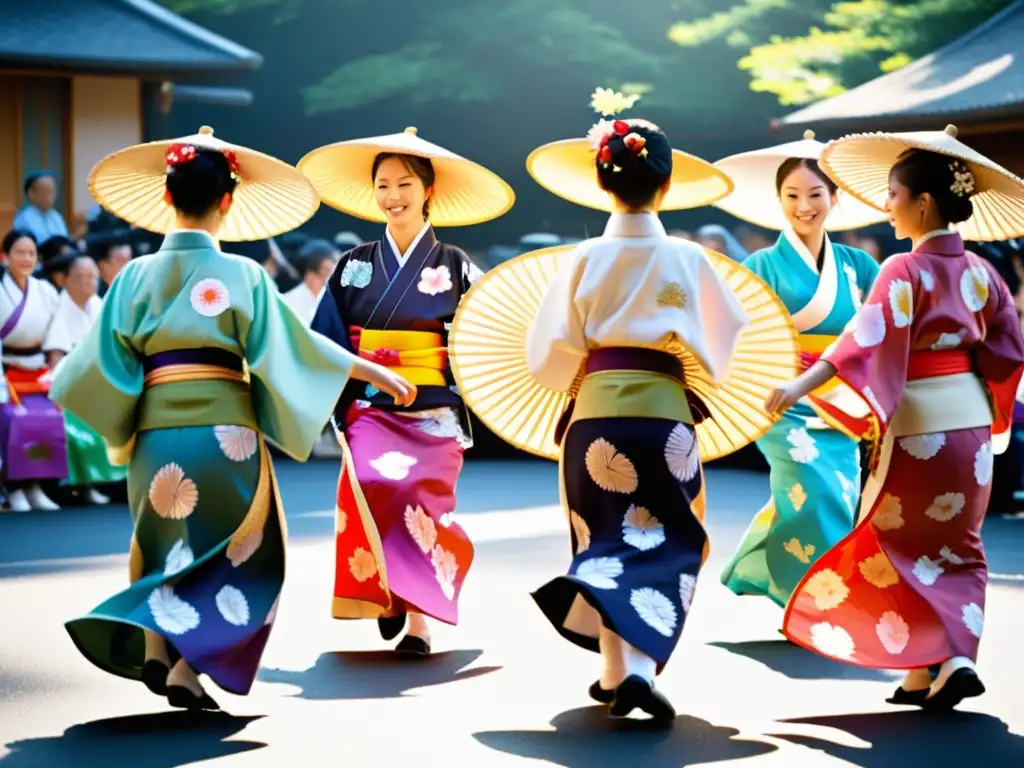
{"points": [[504, 690]]}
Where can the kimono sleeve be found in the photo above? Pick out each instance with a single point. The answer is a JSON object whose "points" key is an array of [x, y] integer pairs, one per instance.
{"points": [[101, 379], [470, 272], [722, 319], [867, 270], [555, 343], [1000, 359], [329, 318], [872, 354], [296, 375]]}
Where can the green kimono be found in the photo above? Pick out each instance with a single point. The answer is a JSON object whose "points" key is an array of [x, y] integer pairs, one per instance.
{"points": [[194, 359]]}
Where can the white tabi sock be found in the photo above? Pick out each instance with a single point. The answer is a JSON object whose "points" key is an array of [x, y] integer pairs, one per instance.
{"points": [[917, 680], [183, 675], [947, 669], [622, 660], [418, 626], [156, 648]]}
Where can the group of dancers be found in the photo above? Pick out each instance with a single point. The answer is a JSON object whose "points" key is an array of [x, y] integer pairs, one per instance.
{"points": [[195, 363]]}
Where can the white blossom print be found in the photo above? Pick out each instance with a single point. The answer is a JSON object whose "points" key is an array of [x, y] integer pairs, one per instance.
{"points": [[609, 469], [901, 303], [949, 340], [832, 640], [172, 614], [804, 449], [173, 495], [655, 609], [950, 556], [893, 633], [393, 465], [435, 280], [582, 531], [984, 461], [946, 506], [356, 273], [973, 618], [687, 587], [923, 447], [471, 272], [974, 287], [421, 527], [600, 572], [362, 565], [681, 453], [888, 515], [178, 559], [927, 571], [446, 568], [236, 443], [869, 325], [209, 297], [927, 281], [850, 490], [641, 529], [232, 605]]}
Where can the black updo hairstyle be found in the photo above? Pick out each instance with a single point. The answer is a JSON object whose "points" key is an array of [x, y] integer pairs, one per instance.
{"points": [[420, 167], [632, 177], [791, 164], [921, 171], [200, 184], [14, 236]]}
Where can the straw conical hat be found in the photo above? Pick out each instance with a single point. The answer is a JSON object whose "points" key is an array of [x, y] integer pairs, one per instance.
{"points": [[860, 164], [567, 168], [272, 196], [464, 192], [755, 199]]}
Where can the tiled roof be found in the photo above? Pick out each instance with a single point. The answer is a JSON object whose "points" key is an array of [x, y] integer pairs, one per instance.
{"points": [[979, 75], [128, 36]]}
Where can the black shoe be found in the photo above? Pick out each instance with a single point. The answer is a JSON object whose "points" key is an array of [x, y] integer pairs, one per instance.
{"points": [[909, 698], [601, 695], [391, 626], [637, 693], [181, 697], [410, 645], [154, 676], [962, 684]]}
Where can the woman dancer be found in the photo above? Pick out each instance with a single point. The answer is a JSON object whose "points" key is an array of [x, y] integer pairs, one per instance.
{"points": [[400, 555], [630, 470], [194, 358], [815, 469], [936, 352]]}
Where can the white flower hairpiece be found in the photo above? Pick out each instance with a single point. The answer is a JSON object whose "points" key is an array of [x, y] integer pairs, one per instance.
{"points": [[963, 179], [609, 103]]}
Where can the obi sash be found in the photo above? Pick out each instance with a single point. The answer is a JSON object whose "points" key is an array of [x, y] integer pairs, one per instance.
{"points": [[200, 364], [420, 357], [633, 359], [943, 394]]}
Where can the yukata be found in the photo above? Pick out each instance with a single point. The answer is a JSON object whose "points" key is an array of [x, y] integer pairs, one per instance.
{"points": [[631, 481], [398, 548], [193, 361], [936, 352], [815, 468]]}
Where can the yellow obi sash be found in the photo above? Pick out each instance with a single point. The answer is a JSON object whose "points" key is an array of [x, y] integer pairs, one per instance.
{"points": [[815, 343], [419, 357]]}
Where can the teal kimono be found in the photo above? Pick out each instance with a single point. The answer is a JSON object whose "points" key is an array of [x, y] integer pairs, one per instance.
{"points": [[815, 468], [193, 360]]}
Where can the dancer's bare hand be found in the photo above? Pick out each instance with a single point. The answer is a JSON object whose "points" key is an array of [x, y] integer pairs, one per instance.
{"points": [[782, 399], [385, 380]]}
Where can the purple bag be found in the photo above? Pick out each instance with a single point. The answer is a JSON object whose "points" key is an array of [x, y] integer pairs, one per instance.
{"points": [[36, 440]]}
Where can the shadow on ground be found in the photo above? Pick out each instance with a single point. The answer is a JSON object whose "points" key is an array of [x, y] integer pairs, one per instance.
{"points": [[798, 663], [163, 740], [899, 739], [586, 738], [376, 674]]}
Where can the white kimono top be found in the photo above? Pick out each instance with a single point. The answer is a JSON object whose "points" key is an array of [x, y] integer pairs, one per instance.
{"points": [[72, 323], [35, 324]]}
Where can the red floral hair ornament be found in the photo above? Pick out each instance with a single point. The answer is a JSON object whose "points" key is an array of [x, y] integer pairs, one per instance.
{"points": [[179, 154], [236, 171]]}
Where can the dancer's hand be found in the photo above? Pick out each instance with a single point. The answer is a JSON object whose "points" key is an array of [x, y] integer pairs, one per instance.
{"points": [[385, 380], [782, 398]]}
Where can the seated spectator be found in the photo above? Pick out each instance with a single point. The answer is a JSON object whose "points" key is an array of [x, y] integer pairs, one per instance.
{"points": [[40, 217], [316, 259], [111, 251]]}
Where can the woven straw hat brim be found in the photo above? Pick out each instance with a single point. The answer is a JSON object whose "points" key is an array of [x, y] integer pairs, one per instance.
{"points": [[567, 169], [487, 352], [860, 164], [756, 201], [465, 192], [271, 198]]}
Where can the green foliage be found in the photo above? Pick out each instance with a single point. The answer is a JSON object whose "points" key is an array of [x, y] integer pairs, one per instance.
{"points": [[845, 43]]}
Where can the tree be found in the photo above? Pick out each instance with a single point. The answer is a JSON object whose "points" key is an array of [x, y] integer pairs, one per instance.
{"points": [[843, 45]]}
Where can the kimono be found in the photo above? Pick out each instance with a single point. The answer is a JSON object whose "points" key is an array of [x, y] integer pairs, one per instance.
{"points": [[631, 482], [936, 352], [32, 430], [815, 472], [193, 360], [88, 462], [397, 545]]}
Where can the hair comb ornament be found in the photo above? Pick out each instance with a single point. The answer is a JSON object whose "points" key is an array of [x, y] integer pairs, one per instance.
{"points": [[609, 103], [179, 154], [233, 166], [963, 179]]}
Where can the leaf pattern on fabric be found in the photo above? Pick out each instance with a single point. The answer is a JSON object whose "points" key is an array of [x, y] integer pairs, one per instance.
{"points": [[610, 470], [232, 605], [682, 454], [797, 496], [641, 529], [178, 558], [170, 613], [687, 589], [655, 610], [799, 551], [446, 568], [600, 572], [421, 527]]}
